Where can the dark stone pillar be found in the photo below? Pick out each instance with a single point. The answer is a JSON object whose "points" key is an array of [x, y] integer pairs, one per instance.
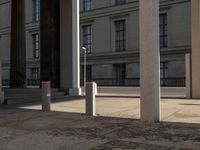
{"points": [[18, 47], [49, 28]]}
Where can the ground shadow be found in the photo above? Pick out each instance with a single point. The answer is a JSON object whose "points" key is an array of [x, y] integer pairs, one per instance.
{"points": [[106, 132]]}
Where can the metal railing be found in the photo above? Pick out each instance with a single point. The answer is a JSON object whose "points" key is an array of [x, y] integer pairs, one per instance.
{"points": [[30, 82], [33, 82], [171, 82]]}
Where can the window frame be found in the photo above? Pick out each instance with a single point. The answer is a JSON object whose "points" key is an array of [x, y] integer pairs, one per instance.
{"points": [[120, 2], [36, 10], [87, 38], [87, 5], [120, 35], [163, 25], [36, 45]]}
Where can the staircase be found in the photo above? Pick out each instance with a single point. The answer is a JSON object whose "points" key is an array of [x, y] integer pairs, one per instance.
{"points": [[17, 96]]}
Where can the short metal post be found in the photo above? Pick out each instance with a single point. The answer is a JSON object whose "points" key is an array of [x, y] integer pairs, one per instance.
{"points": [[90, 98], [46, 96]]}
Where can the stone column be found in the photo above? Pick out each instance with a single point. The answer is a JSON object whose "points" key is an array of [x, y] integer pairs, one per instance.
{"points": [[18, 50], [149, 60], [1, 92], [69, 47], [195, 48], [188, 75], [90, 98], [49, 35], [0, 76], [46, 96]]}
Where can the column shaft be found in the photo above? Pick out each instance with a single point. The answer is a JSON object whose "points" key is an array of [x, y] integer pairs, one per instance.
{"points": [[149, 60], [0, 76], [18, 50], [50, 50], [188, 75], [69, 46], [195, 48]]}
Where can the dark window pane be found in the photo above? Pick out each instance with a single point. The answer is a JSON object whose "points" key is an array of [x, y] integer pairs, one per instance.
{"points": [[36, 10], [36, 45], [87, 5], [87, 38], [120, 2], [120, 35], [163, 31]]}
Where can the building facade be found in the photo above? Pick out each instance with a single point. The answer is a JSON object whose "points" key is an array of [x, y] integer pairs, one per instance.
{"points": [[110, 32]]}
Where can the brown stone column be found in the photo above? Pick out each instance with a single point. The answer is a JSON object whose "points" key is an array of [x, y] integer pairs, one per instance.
{"points": [[195, 12], [49, 28], [18, 50]]}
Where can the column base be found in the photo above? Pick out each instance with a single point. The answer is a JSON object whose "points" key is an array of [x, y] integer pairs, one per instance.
{"points": [[75, 92]]}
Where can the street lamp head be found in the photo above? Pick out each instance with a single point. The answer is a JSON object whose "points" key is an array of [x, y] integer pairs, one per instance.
{"points": [[84, 50]]}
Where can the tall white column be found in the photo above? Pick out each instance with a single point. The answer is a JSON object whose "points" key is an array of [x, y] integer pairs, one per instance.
{"points": [[69, 47], [195, 48], [149, 60], [188, 75]]}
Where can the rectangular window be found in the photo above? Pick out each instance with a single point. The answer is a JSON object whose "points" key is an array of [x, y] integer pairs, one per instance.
{"points": [[36, 45], [120, 2], [163, 72], [87, 38], [35, 75], [36, 10], [88, 73], [163, 31], [87, 5], [120, 74], [120, 35]]}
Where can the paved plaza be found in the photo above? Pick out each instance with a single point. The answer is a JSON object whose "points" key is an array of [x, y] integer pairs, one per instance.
{"points": [[116, 126]]}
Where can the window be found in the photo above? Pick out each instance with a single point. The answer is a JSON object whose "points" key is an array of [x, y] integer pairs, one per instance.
{"points": [[88, 72], [36, 10], [87, 5], [120, 2], [120, 73], [120, 35], [36, 45], [163, 72], [35, 75], [163, 31], [87, 38]]}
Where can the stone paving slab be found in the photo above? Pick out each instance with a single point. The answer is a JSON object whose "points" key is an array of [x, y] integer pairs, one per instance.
{"points": [[116, 127], [36, 130]]}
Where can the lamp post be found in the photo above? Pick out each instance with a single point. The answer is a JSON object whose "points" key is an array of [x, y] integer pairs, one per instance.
{"points": [[85, 66]]}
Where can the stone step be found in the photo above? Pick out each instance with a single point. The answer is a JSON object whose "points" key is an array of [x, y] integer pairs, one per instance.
{"points": [[31, 99], [16, 96], [25, 91], [29, 95]]}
